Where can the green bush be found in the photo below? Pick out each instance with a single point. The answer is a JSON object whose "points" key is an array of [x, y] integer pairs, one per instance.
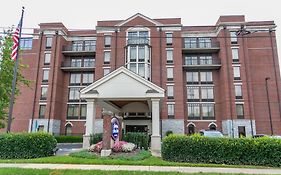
{"points": [[69, 139], [140, 139], [26, 145], [95, 138], [168, 133], [199, 149]]}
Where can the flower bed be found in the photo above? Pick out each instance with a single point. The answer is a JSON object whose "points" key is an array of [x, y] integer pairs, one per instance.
{"points": [[119, 146]]}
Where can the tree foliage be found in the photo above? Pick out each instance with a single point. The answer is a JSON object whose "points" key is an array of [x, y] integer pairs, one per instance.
{"points": [[6, 76]]}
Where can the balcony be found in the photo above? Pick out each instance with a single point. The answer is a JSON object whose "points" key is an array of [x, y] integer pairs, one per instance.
{"points": [[200, 46], [72, 66], [138, 41], [75, 50], [197, 63]]}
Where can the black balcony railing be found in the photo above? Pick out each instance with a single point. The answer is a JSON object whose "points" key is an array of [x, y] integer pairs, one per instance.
{"points": [[137, 41], [197, 61], [79, 48], [201, 45], [78, 64]]}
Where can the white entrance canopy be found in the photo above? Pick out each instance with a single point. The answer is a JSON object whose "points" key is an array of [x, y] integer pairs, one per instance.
{"points": [[123, 85]]}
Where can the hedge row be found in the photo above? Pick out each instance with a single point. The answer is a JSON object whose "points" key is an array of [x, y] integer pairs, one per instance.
{"points": [[140, 139], [69, 139], [199, 149], [26, 145]]}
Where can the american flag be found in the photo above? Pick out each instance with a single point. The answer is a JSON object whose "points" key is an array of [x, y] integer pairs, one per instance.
{"points": [[16, 43]]}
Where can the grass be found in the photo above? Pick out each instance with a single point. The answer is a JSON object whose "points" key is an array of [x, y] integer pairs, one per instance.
{"points": [[151, 161], [20, 171]]}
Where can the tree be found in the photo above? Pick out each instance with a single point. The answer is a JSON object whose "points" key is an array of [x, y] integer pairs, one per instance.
{"points": [[6, 76]]}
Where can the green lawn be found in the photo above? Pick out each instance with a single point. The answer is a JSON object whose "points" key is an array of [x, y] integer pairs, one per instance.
{"points": [[18, 171]]}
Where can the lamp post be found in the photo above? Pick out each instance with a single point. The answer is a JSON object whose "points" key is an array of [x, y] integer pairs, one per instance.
{"points": [[268, 103]]}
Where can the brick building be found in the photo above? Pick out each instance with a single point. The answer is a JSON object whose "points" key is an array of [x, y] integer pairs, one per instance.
{"points": [[156, 74]]}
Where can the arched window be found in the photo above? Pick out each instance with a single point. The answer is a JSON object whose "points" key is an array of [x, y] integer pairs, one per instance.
{"points": [[68, 129], [213, 127], [191, 128]]}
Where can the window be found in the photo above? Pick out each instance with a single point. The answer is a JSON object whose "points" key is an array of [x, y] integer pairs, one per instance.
{"points": [[170, 92], [45, 75], [205, 42], [170, 74], [238, 91], [192, 93], [88, 78], [42, 109], [169, 38], [76, 62], [106, 71], [90, 45], [75, 79], [106, 59], [141, 53], [208, 111], [207, 94], [40, 128], [141, 70], [73, 111], [190, 43], [107, 41], [236, 72], [74, 94], [191, 60], [235, 56], [83, 111], [47, 59], [240, 111], [26, 43], [89, 62], [233, 38], [206, 60], [44, 91], [77, 46], [193, 111], [68, 129], [206, 77], [133, 67], [49, 41], [169, 56], [171, 110], [133, 53], [192, 77]]}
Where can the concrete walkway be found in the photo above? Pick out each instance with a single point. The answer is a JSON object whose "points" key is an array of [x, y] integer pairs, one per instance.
{"points": [[143, 168]]}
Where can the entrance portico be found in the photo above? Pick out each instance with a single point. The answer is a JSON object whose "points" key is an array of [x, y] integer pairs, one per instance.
{"points": [[122, 91]]}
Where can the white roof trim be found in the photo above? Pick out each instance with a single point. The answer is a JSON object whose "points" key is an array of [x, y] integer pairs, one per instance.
{"points": [[139, 15], [127, 72]]}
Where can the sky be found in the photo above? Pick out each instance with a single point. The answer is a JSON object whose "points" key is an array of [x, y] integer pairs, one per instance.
{"points": [[84, 14]]}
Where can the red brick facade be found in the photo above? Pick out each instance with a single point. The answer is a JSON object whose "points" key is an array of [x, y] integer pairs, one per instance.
{"points": [[257, 53]]}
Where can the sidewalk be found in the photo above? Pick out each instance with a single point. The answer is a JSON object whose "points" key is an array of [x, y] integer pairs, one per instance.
{"points": [[143, 168]]}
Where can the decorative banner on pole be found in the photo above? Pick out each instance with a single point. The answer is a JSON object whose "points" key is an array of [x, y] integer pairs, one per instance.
{"points": [[114, 129]]}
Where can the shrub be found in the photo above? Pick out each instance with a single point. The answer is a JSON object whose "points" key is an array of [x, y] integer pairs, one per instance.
{"points": [[117, 147], [140, 139], [96, 147], [199, 149], [69, 139], [95, 138], [168, 133], [26, 145]]}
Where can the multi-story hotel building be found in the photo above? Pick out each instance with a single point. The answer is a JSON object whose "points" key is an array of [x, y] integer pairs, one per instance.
{"points": [[156, 74]]}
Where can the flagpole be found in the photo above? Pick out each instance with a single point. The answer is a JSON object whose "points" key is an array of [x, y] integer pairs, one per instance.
{"points": [[11, 106]]}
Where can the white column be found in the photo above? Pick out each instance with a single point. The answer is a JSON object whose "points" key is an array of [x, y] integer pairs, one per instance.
{"points": [[155, 137], [90, 122]]}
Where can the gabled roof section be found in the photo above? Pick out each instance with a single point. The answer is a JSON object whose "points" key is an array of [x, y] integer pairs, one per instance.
{"points": [[122, 70], [141, 16]]}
